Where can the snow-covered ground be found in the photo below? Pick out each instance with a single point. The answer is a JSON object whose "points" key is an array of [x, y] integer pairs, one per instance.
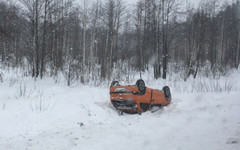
{"points": [[45, 115]]}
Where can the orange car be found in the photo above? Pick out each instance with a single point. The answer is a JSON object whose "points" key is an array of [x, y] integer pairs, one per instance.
{"points": [[137, 98]]}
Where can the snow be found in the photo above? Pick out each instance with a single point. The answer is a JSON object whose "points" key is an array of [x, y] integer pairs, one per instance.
{"points": [[43, 114]]}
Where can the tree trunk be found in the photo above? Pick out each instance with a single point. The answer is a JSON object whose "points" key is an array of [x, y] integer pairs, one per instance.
{"points": [[84, 40], [36, 38], [164, 44], [44, 39], [238, 49], [4, 52]]}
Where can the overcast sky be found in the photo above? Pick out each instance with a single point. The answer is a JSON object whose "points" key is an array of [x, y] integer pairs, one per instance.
{"points": [[134, 1], [193, 2]]}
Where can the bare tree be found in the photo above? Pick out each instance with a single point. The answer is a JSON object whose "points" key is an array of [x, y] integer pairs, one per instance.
{"points": [[104, 36], [169, 7], [238, 45], [33, 10], [94, 20]]}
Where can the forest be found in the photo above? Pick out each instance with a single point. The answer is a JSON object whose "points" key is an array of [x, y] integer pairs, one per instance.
{"points": [[119, 74], [104, 40]]}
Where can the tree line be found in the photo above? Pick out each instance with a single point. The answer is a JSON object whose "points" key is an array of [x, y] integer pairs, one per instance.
{"points": [[88, 41]]}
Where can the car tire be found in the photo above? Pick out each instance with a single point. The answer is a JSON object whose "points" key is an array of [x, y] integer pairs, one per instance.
{"points": [[141, 86], [144, 106], [114, 83], [167, 92]]}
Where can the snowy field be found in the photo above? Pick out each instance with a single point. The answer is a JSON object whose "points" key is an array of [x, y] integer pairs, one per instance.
{"points": [[48, 115]]}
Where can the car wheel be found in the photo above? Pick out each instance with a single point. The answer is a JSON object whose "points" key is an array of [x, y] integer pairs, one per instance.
{"points": [[141, 86], [115, 83], [144, 106], [167, 92]]}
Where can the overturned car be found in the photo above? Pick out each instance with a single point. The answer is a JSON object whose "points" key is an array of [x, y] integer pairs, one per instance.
{"points": [[138, 98]]}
